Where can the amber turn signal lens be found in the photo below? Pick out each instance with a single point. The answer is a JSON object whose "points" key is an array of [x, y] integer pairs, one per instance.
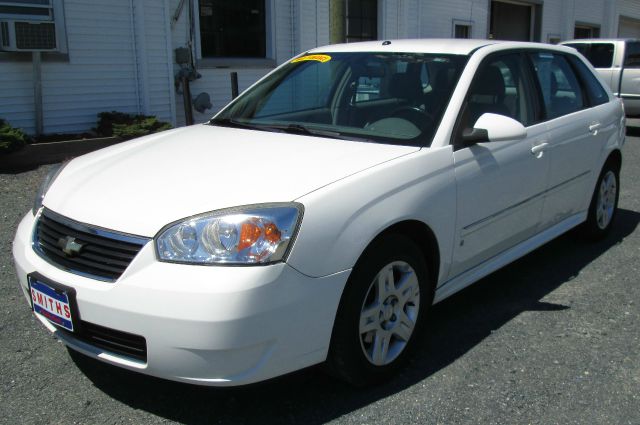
{"points": [[272, 233], [249, 234]]}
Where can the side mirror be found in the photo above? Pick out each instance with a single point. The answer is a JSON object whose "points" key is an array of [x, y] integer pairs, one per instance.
{"points": [[494, 128]]}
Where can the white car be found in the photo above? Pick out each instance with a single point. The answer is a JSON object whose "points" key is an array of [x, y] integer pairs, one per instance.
{"points": [[319, 216]]}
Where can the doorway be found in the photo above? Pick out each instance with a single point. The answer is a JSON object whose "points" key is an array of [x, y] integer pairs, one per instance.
{"points": [[516, 21]]}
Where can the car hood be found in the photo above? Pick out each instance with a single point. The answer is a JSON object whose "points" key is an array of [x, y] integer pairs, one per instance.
{"points": [[140, 186]]}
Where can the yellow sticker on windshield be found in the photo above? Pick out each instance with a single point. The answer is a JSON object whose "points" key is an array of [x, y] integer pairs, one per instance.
{"points": [[317, 58]]}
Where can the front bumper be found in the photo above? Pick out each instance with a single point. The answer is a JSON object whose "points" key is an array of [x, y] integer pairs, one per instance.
{"points": [[209, 325]]}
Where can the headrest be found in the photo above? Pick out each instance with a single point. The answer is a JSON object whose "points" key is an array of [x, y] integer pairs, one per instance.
{"points": [[404, 87], [490, 82], [442, 81]]}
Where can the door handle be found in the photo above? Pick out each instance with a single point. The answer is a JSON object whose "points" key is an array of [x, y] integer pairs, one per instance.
{"points": [[593, 128], [538, 149]]}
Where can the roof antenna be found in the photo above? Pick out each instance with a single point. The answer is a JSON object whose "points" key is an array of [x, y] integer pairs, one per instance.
{"points": [[386, 43]]}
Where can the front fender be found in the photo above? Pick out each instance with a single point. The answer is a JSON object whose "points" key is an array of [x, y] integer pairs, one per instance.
{"points": [[343, 218]]}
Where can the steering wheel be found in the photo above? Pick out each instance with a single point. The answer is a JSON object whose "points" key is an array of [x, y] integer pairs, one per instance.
{"points": [[414, 115]]}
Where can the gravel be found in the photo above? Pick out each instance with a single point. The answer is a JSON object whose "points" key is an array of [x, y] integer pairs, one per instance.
{"points": [[553, 338]]}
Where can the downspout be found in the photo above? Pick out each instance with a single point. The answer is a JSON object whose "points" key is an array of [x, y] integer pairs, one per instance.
{"points": [[140, 52], [293, 27], [169, 24], [37, 91], [135, 56]]}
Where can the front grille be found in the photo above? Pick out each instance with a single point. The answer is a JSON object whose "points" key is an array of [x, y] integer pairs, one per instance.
{"points": [[111, 340], [82, 249]]}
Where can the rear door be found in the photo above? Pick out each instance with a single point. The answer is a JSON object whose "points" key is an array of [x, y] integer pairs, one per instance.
{"points": [[579, 119]]}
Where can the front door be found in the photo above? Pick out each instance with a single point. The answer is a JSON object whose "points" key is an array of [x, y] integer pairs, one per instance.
{"points": [[500, 185]]}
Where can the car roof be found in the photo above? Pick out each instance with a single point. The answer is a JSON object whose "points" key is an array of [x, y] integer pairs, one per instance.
{"points": [[430, 45]]}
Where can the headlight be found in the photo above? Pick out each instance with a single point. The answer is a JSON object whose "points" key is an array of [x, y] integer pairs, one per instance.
{"points": [[256, 234], [46, 184]]}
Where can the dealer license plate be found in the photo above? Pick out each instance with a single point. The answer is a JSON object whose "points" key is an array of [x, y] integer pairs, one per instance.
{"points": [[53, 304]]}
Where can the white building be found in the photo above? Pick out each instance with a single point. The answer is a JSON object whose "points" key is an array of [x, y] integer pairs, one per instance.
{"points": [[119, 55]]}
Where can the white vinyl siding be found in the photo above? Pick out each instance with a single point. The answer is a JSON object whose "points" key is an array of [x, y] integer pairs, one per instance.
{"points": [[159, 78], [100, 71], [16, 94], [121, 58], [96, 78], [436, 17]]}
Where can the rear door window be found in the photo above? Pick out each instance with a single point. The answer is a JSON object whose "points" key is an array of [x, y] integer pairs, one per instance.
{"points": [[561, 91]]}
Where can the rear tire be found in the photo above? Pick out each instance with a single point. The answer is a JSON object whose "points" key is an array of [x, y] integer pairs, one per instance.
{"points": [[381, 311], [604, 204]]}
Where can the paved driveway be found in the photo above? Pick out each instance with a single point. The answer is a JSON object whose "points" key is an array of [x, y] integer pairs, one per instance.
{"points": [[553, 338]]}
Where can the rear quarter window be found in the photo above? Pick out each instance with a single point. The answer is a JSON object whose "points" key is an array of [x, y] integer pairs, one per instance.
{"points": [[596, 94]]}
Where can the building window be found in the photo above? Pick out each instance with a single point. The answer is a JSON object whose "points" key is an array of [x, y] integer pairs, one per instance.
{"points": [[232, 29], [586, 31], [362, 20], [32, 25], [461, 29], [27, 9]]}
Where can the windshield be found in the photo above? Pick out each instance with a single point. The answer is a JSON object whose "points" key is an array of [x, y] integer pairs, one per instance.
{"points": [[396, 98]]}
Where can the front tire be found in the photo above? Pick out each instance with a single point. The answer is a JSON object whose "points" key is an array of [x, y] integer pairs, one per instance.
{"points": [[381, 311]]}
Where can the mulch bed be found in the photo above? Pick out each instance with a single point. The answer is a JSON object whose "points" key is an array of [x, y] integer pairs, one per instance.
{"points": [[50, 151]]}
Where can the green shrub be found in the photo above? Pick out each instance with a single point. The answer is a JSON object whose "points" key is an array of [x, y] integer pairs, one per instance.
{"points": [[128, 126], [11, 139]]}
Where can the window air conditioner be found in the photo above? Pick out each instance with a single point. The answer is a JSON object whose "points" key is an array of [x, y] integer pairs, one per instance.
{"points": [[28, 36]]}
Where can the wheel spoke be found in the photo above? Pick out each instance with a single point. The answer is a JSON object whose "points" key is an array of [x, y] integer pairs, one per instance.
{"points": [[369, 319], [609, 181], [404, 329], [409, 288], [385, 282], [381, 347], [599, 218]]}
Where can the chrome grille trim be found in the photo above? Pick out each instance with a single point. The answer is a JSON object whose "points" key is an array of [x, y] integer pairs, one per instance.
{"points": [[105, 253]]}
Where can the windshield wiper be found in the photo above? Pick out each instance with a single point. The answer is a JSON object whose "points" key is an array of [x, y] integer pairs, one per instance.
{"points": [[228, 122], [300, 129], [288, 128], [304, 130]]}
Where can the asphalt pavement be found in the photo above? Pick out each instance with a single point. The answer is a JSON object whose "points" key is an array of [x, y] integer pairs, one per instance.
{"points": [[553, 338]]}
